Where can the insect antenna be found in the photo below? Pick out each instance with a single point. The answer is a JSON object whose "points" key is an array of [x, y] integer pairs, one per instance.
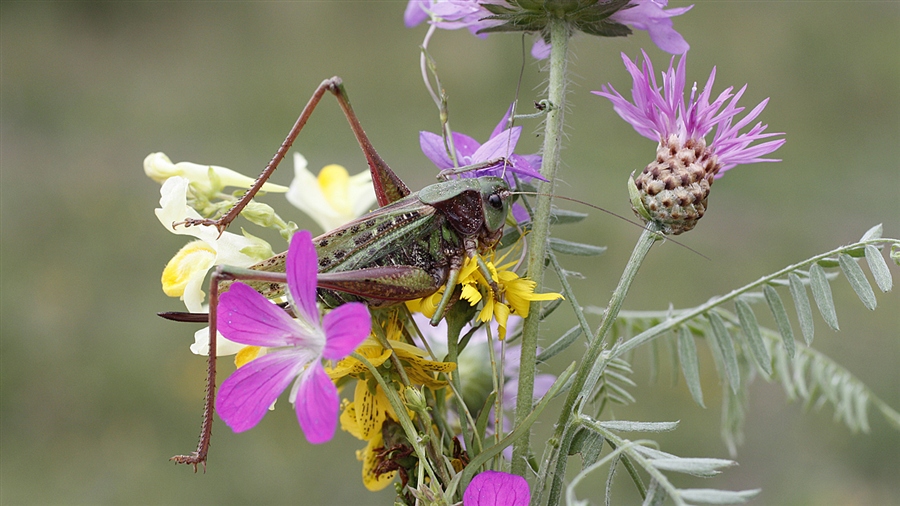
{"points": [[607, 211]]}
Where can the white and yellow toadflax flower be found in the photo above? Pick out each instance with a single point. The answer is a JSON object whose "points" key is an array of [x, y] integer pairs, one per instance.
{"points": [[334, 197]]}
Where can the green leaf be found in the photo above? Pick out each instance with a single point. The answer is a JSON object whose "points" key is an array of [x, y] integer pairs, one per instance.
{"points": [[750, 326], [713, 496], [687, 354], [804, 311], [560, 344], [564, 216], [781, 319], [821, 291], [858, 281], [879, 268], [872, 233], [482, 420], [722, 341], [828, 263], [575, 248], [625, 426], [702, 467], [589, 444]]}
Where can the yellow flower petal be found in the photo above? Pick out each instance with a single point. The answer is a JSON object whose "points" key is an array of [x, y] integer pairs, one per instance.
{"points": [[369, 458], [246, 354], [370, 349], [194, 258], [370, 409], [471, 294], [335, 183]]}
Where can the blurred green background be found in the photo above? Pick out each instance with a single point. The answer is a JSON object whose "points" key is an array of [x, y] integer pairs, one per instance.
{"points": [[98, 392]]}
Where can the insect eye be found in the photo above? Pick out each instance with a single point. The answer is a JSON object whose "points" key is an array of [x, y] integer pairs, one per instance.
{"points": [[495, 201]]}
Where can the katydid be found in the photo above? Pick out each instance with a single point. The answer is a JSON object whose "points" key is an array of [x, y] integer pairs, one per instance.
{"points": [[409, 248]]}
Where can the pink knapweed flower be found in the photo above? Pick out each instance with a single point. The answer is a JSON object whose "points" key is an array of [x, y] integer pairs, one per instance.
{"points": [[674, 187]]}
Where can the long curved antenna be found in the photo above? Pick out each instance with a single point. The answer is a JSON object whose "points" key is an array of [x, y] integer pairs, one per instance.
{"points": [[607, 211]]}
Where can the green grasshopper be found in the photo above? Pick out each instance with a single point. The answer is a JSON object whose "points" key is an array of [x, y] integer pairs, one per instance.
{"points": [[409, 248]]}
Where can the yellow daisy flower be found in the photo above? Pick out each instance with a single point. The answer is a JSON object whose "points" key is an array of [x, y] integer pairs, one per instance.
{"points": [[514, 297]]}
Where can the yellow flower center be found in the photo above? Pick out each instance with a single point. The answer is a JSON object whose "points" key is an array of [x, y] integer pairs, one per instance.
{"points": [[335, 183], [194, 257]]}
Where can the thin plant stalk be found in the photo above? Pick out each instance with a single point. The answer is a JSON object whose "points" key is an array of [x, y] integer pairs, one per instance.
{"points": [[553, 132], [589, 371]]}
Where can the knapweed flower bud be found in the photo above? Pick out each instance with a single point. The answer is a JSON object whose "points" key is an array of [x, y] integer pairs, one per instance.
{"points": [[673, 190]]}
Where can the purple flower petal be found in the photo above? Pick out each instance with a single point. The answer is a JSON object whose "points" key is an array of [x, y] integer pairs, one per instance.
{"points": [[317, 405], [649, 15], [503, 124], [302, 268], [245, 397], [415, 13], [495, 488], [500, 146], [659, 112], [246, 317], [345, 327], [520, 213], [541, 49], [466, 148], [433, 146]]}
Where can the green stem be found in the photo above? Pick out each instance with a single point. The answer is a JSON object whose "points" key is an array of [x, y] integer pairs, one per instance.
{"points": [[588, 374], [553, 132]]}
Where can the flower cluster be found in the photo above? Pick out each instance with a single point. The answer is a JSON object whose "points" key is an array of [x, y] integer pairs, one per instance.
{"points": [[423, 396]]}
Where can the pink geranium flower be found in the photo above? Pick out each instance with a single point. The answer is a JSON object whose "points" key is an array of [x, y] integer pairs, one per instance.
{"points": [[496, 488], [295, 348]]}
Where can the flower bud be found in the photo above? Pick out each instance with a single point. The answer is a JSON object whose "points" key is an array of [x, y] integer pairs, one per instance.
{"points": [[416, 401], [673, 190]]}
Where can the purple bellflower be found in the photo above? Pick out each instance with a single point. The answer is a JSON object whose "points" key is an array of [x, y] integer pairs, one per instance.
{"points": [[496, 488], [295, 352], [501, 143]]}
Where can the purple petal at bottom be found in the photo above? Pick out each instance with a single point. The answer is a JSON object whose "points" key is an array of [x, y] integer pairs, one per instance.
{"points": [[317, 405], [244, 398]]}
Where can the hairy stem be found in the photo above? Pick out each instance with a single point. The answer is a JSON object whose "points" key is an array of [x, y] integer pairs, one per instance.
{"points": [[553, 131]]}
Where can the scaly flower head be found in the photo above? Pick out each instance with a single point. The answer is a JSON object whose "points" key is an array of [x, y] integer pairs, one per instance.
{"points": [[334, 197], [496, 488], [673, 190], [501, 143], [295, 352]]}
